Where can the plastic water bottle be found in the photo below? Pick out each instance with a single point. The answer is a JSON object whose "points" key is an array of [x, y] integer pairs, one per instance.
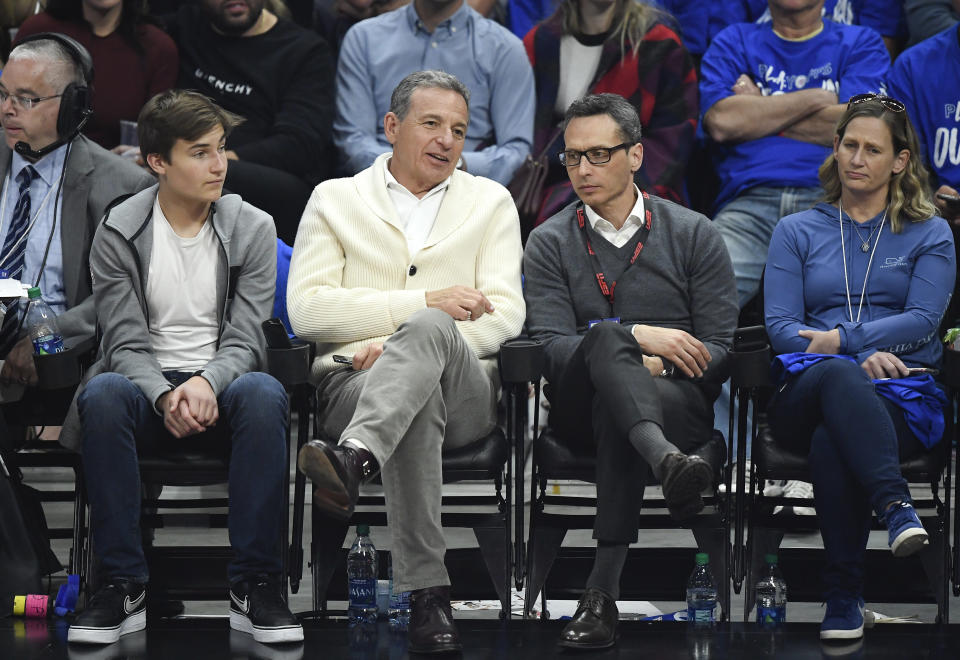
{"points": [[42, 322], [362, 578], [701, 593], [399, 611], [771, 595]]}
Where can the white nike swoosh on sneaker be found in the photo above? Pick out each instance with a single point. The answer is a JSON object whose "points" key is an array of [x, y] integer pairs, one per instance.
{"points": [[242, 605], [130, 606]]}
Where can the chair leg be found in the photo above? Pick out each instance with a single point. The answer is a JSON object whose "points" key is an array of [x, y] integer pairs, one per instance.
{"points": [[302, 402], [931, 558], [326, 540], [543, 548], [492, 549]]}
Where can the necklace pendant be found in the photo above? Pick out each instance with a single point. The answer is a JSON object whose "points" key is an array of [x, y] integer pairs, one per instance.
{"points": [[864, 247]]}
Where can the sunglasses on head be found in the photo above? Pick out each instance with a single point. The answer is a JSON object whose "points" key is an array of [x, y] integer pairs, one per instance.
{"points": [[891, 104]]}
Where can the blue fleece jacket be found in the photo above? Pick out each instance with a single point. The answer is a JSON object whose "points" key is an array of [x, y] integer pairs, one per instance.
{"points": [[909, 285]]}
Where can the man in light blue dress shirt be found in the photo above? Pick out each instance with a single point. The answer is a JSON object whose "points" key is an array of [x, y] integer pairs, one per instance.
{"points": [[69, 193], [432, 34]]}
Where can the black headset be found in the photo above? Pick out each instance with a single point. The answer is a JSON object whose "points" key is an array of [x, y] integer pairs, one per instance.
{"points": [[76, 101]]}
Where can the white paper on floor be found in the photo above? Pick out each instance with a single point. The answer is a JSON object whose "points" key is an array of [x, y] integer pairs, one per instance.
{"points": [[870, 617], [629, 609]]}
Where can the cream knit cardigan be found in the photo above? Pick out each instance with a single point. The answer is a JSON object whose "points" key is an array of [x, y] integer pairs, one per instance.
{"points": [[350, 280]]}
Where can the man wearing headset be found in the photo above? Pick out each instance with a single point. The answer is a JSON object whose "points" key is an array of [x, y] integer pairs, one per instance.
{"points": [[54, 187]]}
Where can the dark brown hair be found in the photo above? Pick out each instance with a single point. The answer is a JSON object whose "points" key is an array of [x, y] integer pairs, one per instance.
{"points": [[179, 114]]}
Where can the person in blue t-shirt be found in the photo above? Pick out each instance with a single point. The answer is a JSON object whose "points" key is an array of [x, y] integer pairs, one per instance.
{"points": [[770, 96], [866, 275], [924, 78], [884, 16]]}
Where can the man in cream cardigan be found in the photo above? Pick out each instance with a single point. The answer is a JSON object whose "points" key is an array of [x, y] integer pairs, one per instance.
{"points": [[410, 269]]}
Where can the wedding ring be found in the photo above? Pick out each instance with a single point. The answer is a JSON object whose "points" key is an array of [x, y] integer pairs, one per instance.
{"points": [[469, 315]]}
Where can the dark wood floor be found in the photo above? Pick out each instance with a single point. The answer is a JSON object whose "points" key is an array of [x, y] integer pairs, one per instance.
{"points": [[210, 638]]}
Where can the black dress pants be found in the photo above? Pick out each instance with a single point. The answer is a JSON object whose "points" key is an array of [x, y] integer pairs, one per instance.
{"points": [[604, 392]]}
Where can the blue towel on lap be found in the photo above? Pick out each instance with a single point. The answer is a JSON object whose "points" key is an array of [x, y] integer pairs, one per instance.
{"points": [[921, 401]]}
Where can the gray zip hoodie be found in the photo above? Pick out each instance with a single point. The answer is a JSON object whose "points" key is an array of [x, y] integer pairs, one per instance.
{"points": [[119, 264]]}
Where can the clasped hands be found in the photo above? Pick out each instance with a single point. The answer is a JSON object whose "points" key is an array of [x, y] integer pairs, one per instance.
{"points": [[190, 408]]}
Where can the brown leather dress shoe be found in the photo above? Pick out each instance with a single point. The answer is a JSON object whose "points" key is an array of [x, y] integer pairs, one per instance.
{"points": [[337, 472], [431, 622], [594, 625], [684, 478]]}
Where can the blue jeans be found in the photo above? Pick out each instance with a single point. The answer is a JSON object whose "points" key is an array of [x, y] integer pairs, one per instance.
{"points": [[118, 422], [855, 441], [746, 224]]}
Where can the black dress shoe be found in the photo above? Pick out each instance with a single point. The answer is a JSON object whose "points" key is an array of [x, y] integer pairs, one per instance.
{"points": [[431, 622], [594, 625], [684, 478], [337, 472]]}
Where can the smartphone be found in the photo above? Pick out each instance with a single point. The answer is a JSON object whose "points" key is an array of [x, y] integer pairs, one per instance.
{"points": [[275, 334], [953, 201], [343, 359], [917, 371]]}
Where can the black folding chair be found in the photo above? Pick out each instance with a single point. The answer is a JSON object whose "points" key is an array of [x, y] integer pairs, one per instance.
{"points": [[658, 573], [496, 458], [751, 359]]}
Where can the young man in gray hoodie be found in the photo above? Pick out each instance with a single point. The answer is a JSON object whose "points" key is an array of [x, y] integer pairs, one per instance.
{"points": [[182, 278]]}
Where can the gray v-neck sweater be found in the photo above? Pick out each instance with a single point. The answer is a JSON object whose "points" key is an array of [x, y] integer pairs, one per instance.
{"points": [[682, 279]]}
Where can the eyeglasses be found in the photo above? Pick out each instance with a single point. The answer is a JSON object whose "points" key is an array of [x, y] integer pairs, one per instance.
{"points": [[891, 104], [24, 102], [595, 156]]}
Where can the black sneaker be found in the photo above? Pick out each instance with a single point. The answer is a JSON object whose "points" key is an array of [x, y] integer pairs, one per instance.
{"points": [[118, 608], [257, 607]]}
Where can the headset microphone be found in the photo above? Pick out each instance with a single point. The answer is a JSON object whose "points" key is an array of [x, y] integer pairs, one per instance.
{"points": [[26, 151], [76, 100]]}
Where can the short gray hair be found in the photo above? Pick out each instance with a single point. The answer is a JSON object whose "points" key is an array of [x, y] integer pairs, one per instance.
{"points": [[615, 106], [62, 67], [433, 79]]}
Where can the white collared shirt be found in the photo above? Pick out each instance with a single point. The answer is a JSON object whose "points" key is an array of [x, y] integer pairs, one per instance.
{"points": [[45, 204], [417, 215], [619, 237]]}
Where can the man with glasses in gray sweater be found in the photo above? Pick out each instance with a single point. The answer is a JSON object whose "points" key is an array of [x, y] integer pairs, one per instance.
{"points": [[634, 300]]}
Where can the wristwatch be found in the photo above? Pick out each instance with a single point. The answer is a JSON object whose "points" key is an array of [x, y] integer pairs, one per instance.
{"points": [[668, 369]]}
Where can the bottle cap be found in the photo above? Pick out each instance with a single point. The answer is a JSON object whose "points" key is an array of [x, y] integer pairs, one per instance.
{"points": [[363, 530], [703, 558], [770, 559], [33, 292]]}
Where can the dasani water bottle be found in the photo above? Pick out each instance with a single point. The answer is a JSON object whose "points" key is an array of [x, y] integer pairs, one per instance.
{"points": [[771, 595], [42, 324], [701, 593], [362, 578]]}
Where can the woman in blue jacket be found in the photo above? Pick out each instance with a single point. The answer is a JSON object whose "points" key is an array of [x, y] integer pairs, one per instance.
{"points": [[864, 278]]}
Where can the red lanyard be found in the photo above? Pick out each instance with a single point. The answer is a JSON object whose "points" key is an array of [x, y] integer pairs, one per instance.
{"points": [[644, 231]]}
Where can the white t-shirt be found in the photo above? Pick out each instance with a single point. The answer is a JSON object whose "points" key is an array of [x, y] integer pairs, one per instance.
{"points": [[182, 296], [578, 66]]}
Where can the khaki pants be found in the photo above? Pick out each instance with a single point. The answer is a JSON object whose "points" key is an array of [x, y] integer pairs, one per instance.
{"points": [[428, 392]]}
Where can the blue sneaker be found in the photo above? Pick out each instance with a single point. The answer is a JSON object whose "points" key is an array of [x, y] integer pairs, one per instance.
{"points": [[843, 619], [907, 535]]}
